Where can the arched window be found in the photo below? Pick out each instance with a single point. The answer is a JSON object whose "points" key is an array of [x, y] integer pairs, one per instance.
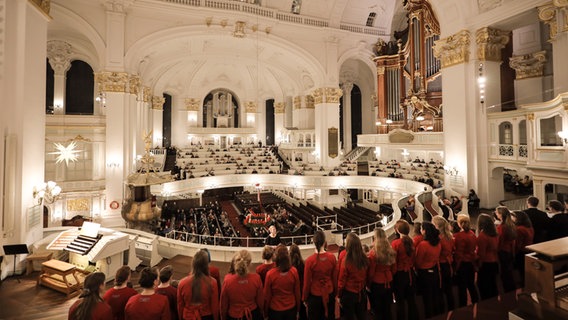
{"points": [[549, 131], [505, 133], [79, 89]]}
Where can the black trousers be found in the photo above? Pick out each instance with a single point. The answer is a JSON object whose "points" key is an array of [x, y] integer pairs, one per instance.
{"points": [[316, 309], [256, 315], [429, 286], [404, 289], [506, 270], [487, 280], [446, 274], [466, 283], [354, 305], [381, 300], [282, 315]]}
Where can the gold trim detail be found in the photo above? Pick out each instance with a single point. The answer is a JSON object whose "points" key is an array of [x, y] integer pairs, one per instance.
{"points": [[490, 42], [279, 107], [310, 102], [297, 102], [78, 205], [327, 95], [44, 5], [381, 70], [250, 107], [332, 142], [146, 94], [453, 49], [528, 65], [158, 103], [565, 105], [530, 116], [134, 84], [111, 81], [547, 14], [192, 104]]}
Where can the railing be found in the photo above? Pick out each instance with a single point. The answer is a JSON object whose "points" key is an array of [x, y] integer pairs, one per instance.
{"points": [[259, 241], [158, 151], [515, 204], [420, 138]]}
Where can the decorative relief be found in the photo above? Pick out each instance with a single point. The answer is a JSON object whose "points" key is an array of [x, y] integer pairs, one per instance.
{"points": [[486, 5], [530, 116], [134, 84], [158, 102], [489, 43], [332, 142], [297, 102], [279, 107], [310, 102], [560, 3], [192, 104], [401, 136], [528, 65], [44, 5], [146, 94], [59, 56], [112, 81], [118, 5], [327, 95], [547, 14], [239, 29], [79, 205], [453, 49], [381, 70], [250, 107], [565, 105]]}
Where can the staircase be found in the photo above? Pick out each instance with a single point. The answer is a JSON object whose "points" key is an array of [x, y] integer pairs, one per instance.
{"points": [[285, 164], [355, 153], [170, 162]]}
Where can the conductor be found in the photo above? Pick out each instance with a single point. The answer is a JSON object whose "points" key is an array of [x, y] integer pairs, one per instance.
{"points": [[273, 238]]}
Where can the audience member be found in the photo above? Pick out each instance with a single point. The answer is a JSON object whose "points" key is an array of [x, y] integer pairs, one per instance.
{"points": [[90, 305], [197, 296], [148, 304], [118, 296]]}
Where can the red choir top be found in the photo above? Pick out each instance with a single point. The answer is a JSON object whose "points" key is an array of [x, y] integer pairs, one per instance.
{"points": [[404, 262], [427, 256], [263, 269], [417, 239], [320, 272], [171, 293], [209, 304], [350, 278], [117, 299], [525, 237], [154, 306], [282, 290], [487, 247], [505, 243], [241, 295], [466, 242], [377, 272], [214, 272], [448, 248], [102, 311]]}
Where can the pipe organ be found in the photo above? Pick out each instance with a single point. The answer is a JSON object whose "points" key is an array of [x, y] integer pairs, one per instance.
{"points": [[408, 75]]}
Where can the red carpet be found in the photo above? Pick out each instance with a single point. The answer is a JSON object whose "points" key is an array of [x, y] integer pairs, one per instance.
{"points": [[230, 209]]}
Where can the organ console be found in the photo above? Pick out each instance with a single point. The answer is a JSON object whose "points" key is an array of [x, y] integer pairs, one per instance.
{"points": [[546, 277], [92, 248]]}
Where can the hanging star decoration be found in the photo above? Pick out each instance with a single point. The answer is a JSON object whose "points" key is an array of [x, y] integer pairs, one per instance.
{"points": [[66, 153]]}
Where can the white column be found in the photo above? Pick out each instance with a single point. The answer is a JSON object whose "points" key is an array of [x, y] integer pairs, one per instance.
{"points": [[327, 125], [347, 87], [179, 121], [58, 54], [304, 112], [555, 15], [250, 115]]}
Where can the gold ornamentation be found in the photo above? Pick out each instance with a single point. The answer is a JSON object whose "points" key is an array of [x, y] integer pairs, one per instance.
{"points": [[59, 56], [530, 116], [332, 142], [134, 84], [79, 138], [381, 70], [565, 105], [310, 102], [79, 205], [279, 107], [528, 65], [250, 107], [297, 102], [192, 104], [44, 5], [327, 95], [158, 103], [146, 94], [560, 3], [489, 43], [453, 49], [547, 14], [111, 81], [239, 29], [208, 21]]}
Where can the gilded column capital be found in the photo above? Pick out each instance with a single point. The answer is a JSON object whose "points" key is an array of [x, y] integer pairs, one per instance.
{"points": [[530, 116], [327, 95], [192, 104], [560, 3], [43, 5], [158, 103], [297, 102], [310, 102], [547, 14], [108, 81], [146, 94], [565, 105], [59, 56], [490, 42], [453, 49], [381, 70], [279, 107], [528, 65], [250, 107], [134, 84]]}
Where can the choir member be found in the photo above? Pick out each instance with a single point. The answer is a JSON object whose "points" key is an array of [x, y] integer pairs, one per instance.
{"points": [[241, 293], [507, 235], [418, 237], [298, 263], [118, 296], [213, 271], [282, 288], [164, 288], [525, 237], [197, 296], [465, 257], [90, 305], [382, 266], [267, 255], [148, 304], [404, 280], [487, 246], [353, 279], [426, 263], [446, 260], [320, 274]]}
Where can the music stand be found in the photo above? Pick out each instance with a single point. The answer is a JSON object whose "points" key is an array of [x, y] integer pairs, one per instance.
{"points": [[15, 250]]}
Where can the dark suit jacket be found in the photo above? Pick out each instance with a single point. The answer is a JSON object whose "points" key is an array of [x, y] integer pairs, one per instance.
{"points": [[541, 224]]}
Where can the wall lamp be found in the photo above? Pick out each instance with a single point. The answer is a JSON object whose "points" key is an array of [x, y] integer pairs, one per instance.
{"points": [[451, 171], [46, 192], [564, 136]]}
